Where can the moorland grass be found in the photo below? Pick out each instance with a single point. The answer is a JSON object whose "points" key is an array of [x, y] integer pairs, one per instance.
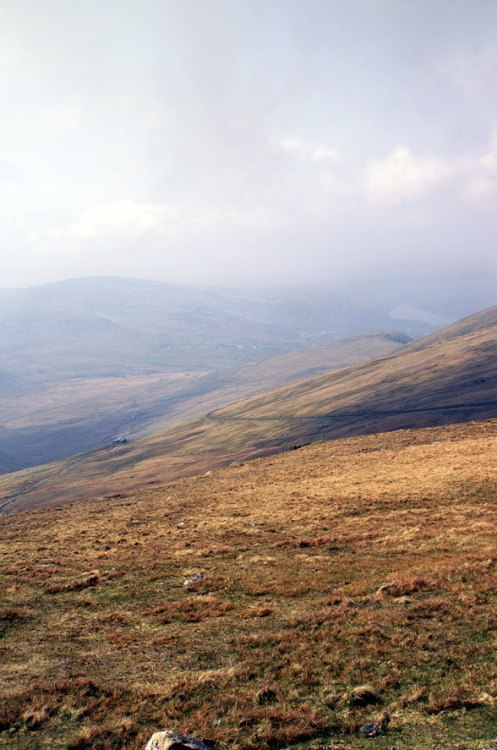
{"points": [[345, 584]]}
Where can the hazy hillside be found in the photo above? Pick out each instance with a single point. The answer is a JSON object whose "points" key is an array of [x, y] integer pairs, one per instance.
{"points": [[70, 416], [108, 327], [455, 367], [440, 380], [361, 562], [84, 361]]}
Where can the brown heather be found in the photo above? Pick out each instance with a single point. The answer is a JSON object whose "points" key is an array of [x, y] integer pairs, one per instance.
{"points": [[347, 583]]}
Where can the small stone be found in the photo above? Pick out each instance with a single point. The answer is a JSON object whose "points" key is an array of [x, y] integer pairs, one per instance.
{"points": [[192, 581], [369, 730], [169, 740]]}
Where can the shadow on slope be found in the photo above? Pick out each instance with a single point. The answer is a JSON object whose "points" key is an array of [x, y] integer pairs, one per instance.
{"points": [[446, 378], [63, 418]]}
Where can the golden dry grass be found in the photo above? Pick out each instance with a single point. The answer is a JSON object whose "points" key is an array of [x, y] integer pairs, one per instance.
{"points": [[347, 583]]}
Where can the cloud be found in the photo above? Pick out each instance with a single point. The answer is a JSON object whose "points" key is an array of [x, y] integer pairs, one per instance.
{"points": [[255, 140], [303, 151], [474, 74], [123, 217], [128, 220], [403, 175], [489, 159]]}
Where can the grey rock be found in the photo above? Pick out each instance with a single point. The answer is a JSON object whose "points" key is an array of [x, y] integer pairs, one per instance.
{"points": [[192, 581], [169, 740], [369, 730]]}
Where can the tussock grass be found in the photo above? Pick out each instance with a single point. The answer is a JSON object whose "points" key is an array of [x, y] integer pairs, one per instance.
{"points": [[346, 584]]}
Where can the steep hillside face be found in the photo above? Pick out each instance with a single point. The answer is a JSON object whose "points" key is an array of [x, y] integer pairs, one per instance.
{"points": [[480, 321], [434, 382], [87, 360], [454, 369], [62, 418]]}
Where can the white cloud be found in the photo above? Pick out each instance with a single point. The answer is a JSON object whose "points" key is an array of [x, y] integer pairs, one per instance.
{"points": [[122, 217], [489, 160], [60, 116], [474, 74], [127, 219], [303, 151], [235, 139], [404, 175], [481, 173]]}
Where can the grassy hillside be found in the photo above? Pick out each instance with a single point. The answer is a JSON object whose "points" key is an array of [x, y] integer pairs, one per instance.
{"points": [[70, 416], [83, 360], [454, 368], [114, 327], [349, 584], [442, 379]]}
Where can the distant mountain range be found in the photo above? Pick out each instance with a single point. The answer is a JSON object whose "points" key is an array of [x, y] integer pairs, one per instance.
{"points": [[115, 327], [447, 377]]}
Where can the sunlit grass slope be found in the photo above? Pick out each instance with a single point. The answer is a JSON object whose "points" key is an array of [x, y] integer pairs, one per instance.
{"points": [[445, 378], [360, 563], [71, 415], [453, 368]]}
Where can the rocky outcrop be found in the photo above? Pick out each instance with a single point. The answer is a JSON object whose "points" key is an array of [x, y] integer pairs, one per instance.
{"points": [[169, 740]]}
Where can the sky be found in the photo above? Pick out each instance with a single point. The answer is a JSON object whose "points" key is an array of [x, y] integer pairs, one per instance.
{"points": [[249, 142]]}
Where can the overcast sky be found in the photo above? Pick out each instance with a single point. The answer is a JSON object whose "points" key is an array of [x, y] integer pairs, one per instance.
{"points": [[237, 142]]}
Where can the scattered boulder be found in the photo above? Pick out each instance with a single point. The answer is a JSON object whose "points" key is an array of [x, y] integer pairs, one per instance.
{"points": [[170, 740], [192, 581], [370, 730]]}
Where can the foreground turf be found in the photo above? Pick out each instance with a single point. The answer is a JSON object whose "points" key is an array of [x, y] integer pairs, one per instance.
{"points": [[345, 584]]}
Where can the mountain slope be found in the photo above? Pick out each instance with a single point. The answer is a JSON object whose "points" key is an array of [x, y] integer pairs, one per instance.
{"points": [[439, 380], [453, 368], [68, 417], [84, 360], [361, 562], [121, 327]]}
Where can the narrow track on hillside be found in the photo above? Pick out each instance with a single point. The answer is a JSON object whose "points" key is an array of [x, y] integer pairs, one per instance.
{"points": [[346, 415]]}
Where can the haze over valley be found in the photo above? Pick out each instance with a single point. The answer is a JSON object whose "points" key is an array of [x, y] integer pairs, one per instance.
{"points": [[86, 361], [192, 423]]}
